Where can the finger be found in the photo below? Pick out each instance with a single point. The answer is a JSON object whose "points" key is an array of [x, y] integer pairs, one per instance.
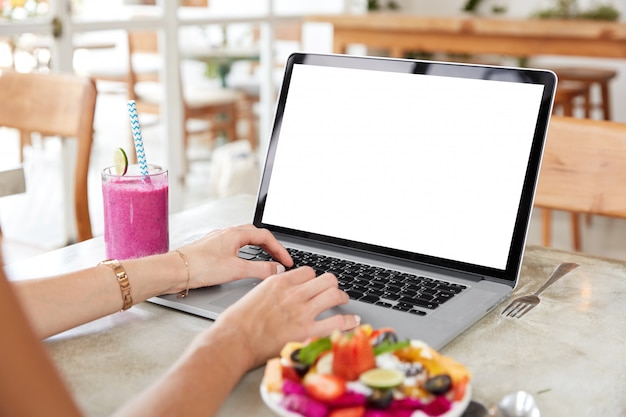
{"points": [[273, 271], [274, 248], [299, 275], [263, 269], [319, 285], [328, 298], [341, 322], [265, 239]]}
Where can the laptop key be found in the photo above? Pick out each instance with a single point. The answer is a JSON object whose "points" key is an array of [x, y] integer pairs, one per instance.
{"points": [[393, 287], [402, 307], [377, 284], [247, 256], [426, 304], [263, 257], [430, 284], [375, 291], [345, 279], [344, 285], [449, 287], [361, 288], [444, 296], [369, 298], [391, 295], [417, 312], [409, 293], [429, 292], [440, 300], [418, 302], [354, 294], [251, 249], [360, 280]]}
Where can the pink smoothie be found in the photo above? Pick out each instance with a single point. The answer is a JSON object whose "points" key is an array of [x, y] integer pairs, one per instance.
{"points": [[135, 215]]}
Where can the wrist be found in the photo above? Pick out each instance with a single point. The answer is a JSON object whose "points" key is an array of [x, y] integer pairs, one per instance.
{"points": [[122, 280], [183, 258], [156, 275], [233, 344]]}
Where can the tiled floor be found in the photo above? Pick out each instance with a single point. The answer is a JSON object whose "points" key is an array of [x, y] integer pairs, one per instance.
{"points": [[30, 221]]}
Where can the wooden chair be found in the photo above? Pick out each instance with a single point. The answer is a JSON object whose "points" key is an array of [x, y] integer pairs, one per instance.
{"points": [[216, 106], [12, 181], [590, 77], [55, 104], [583, 171], [567, 93]]}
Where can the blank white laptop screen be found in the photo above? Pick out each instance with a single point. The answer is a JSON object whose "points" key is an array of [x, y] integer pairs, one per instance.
{"points": [[419, 163]]}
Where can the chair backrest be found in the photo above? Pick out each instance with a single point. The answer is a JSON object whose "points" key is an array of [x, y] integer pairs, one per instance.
{"points": [[584, 167], [144, 43], [55, 104]]}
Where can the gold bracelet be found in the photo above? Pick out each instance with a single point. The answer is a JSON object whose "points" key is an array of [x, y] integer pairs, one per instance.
{"points": [[122, 280], [184, 293]]}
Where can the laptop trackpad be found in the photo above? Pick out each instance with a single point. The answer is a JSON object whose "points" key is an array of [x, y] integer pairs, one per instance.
{"points": [[233, 296]]}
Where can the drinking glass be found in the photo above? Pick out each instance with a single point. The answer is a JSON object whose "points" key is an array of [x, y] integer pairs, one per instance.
{"points": [[135, 212]]}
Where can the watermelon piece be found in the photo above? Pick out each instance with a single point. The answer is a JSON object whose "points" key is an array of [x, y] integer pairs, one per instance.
{"points": [[352, 354]]}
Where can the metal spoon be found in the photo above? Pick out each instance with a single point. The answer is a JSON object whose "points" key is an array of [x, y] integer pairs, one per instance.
{"points": [[518, 404]]}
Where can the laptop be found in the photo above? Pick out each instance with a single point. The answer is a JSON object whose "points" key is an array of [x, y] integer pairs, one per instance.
{"points": [[418, 176]]}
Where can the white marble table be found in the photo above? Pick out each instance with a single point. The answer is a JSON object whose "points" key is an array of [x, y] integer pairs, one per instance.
{"points": [[570, 351]]}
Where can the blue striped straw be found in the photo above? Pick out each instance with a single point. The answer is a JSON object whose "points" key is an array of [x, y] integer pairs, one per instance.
{"points": [[136, 129]]}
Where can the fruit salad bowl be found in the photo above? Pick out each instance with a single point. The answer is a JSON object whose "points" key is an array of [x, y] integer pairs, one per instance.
{"points": [[364, 373]]}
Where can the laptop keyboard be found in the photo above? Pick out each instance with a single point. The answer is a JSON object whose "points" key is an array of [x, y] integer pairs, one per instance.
{"points": [[370, 284]]}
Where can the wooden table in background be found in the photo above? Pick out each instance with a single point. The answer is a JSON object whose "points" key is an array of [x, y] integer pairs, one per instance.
{"points": [[401, 33]]}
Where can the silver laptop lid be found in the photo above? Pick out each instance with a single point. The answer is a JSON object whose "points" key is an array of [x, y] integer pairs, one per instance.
{"points": [[429, 162]]}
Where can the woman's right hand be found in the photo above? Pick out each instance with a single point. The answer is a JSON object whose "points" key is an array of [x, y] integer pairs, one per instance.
{"points": [[284, 308]]}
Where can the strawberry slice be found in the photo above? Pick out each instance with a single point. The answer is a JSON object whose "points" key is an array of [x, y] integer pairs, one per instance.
{"points": [[356, 411], [324, 387], [290, 374]]}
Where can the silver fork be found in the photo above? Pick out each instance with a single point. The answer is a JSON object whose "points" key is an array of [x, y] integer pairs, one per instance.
{"points": [[522, 305]]}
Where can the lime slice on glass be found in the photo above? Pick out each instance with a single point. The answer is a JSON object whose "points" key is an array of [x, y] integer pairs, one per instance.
{"points": [[120, 162], [382, 378]]}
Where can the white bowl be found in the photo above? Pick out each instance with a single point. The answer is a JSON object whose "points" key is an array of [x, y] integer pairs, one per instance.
{"points": [[272, 399]]}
